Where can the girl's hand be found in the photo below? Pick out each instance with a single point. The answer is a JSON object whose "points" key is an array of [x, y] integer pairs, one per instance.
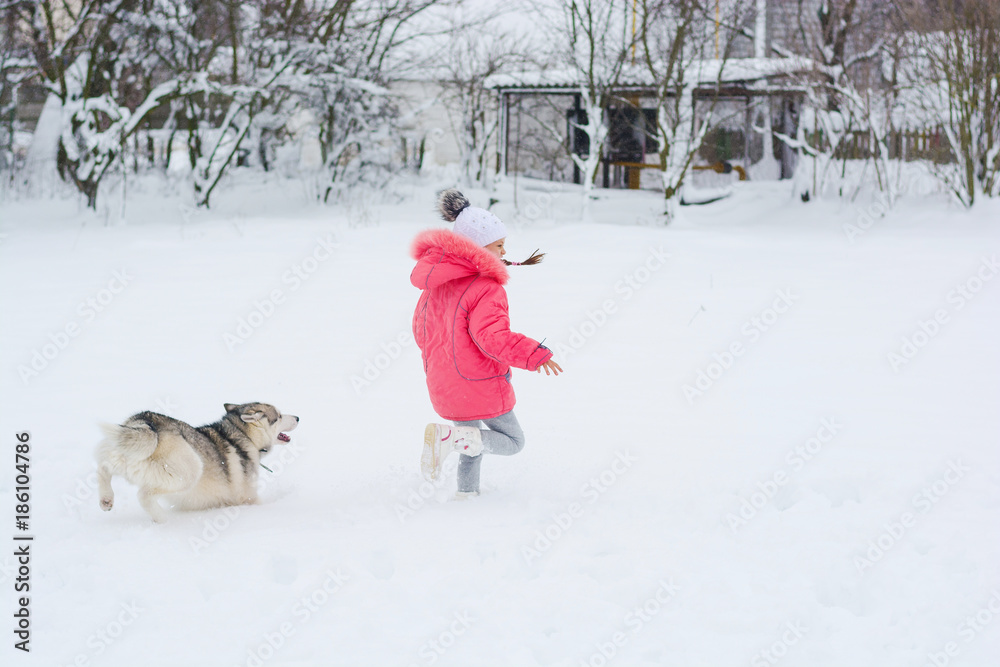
{"points": [[550, 365]]}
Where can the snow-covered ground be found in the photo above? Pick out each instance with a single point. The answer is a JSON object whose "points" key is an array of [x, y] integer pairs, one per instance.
{"points": [[775, 441]]}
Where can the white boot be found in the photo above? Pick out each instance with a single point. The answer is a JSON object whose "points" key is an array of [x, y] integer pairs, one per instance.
{"points": [[440, 440]]}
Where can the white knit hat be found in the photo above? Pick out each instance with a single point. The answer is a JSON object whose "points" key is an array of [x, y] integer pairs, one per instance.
{"points": [[473, 223], [480, 225]]}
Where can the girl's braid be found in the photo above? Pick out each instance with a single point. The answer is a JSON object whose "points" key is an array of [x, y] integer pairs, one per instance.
{"points": [[535, 258]]}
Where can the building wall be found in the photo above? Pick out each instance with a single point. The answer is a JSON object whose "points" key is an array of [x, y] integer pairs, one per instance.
{"points": [[788, 19], [428, 119], [784, 24]]}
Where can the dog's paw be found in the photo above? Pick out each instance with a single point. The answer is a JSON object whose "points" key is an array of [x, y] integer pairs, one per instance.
{"points": [[107, 503]]}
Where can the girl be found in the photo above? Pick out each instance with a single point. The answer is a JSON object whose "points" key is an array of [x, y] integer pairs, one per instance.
{"points": [[463, 331]]}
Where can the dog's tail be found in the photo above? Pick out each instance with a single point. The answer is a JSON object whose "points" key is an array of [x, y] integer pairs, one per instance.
{"points": [[138, 441]]}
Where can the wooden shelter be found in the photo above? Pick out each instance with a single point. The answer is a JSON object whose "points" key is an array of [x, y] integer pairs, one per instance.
{"points": [[740, 94]]}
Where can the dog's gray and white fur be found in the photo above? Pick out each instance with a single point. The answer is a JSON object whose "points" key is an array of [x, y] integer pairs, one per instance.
{"points": [[195, 468]]}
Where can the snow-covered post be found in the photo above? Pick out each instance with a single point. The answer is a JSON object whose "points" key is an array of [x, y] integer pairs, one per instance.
{"points": [[762, 105], [760, 49], [597, 132]]}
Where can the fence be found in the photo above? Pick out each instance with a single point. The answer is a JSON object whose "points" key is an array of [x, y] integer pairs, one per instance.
{"points": [[907, 145]]}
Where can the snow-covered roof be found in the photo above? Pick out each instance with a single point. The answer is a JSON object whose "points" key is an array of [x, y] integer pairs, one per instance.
{"points": [[704, 71]]}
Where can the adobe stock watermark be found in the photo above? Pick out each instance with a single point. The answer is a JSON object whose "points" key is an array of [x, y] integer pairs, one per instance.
{"points": [[626, 288], [419, 496], [590, 492], [874, 212], [959, 297], [264, 308], [104, 637], [375, 366], [877, 210], [752, 330], [432, 650], [634, 622], [793, 633], [796, 458], [541, 201], [87, 311], [923, 502], [968, 630], [214, 524], [302, 610]]}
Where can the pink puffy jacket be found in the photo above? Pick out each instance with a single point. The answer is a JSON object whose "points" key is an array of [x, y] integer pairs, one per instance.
{"points": [[462, 328]]}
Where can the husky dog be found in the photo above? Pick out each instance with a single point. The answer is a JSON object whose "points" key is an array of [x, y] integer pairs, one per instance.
{"points": [[196, 468]]}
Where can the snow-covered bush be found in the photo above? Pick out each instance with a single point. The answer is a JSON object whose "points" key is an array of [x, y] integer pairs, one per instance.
{"points": [[233, 76], [310, 61]]}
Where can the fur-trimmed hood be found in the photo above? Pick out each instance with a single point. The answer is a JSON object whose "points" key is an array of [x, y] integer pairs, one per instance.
{"points": [[443, 256]]}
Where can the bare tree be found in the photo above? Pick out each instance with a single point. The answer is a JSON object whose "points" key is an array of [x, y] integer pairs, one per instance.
{"points": [[844, 39], [231, 73], [470, 59], [88, 54], [591, 48], [73, 47], [189, 42], [676, 52], [15, 68], [366, 46], [953, 68]]}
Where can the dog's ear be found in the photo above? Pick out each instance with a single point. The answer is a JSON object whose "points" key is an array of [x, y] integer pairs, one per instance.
{"points": [[231, 407], [252, 416]]}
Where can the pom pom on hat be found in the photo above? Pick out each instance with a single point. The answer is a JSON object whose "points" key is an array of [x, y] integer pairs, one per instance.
{"points": [[473, 223], [451, 203]]}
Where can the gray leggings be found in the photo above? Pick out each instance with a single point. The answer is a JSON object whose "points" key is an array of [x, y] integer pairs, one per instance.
{"points": [[502, 436]]}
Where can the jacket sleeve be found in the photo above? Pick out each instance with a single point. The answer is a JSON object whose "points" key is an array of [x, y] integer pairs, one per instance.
{"points": [[489, 326], [418, 325]]}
